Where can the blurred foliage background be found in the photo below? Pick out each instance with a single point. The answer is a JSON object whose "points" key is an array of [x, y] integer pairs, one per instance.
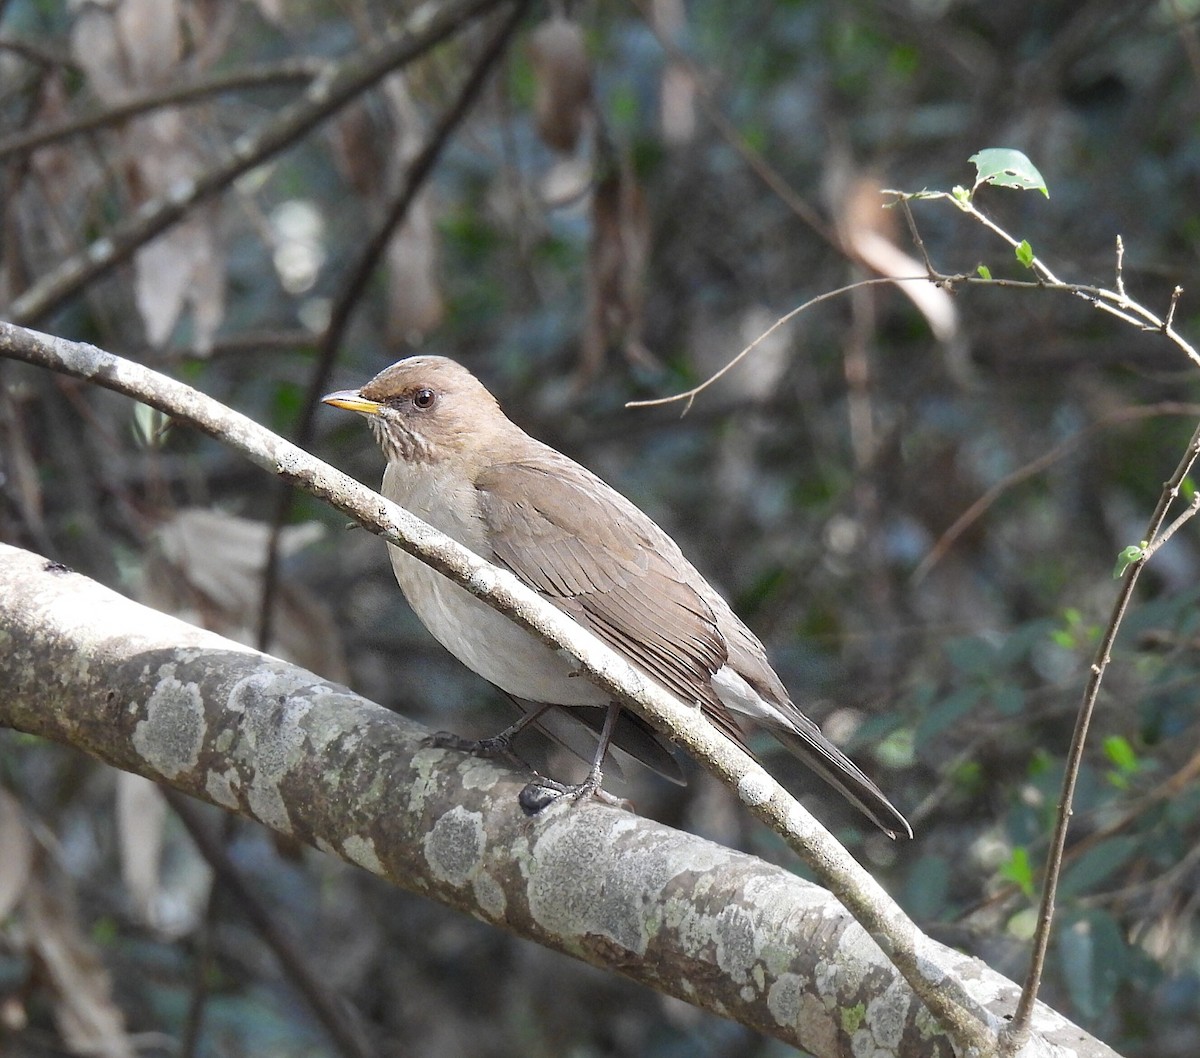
{"points": [[636, 192]]}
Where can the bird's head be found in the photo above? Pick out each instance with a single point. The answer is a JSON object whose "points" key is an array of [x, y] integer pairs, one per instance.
{"points": [[427, 409]]}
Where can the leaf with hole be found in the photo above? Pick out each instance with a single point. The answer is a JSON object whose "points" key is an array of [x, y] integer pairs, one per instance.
{"points": [[1007, 167]]}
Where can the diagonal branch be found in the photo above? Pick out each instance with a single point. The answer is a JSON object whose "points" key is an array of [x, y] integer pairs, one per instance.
{"points": [[196, 91]]}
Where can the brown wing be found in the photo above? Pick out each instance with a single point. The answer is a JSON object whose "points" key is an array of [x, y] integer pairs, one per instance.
{"points": [[593, 554]]}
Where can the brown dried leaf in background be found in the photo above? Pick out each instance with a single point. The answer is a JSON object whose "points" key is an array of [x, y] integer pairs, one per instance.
{"points": [[206, 568], [148, 33], [677, 97], [414, 301], [616, 270], [562, 82], [183, 267], [96, 48], [16, 853], [129, 47], [88, 1019], [357, 149], [868, 232], [141, 816]]}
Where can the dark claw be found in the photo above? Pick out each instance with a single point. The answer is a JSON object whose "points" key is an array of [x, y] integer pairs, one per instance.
{"points": [[540, 794], [481, 747]]}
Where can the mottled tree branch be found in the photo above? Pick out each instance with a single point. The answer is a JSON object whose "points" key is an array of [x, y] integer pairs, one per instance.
{"points": [[81, 665]]}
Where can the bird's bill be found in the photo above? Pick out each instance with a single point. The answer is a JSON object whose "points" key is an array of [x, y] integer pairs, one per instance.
{"points": [[352, 400]]}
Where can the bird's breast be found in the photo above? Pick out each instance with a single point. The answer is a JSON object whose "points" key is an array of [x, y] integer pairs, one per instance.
{"points": [[481, 638]]}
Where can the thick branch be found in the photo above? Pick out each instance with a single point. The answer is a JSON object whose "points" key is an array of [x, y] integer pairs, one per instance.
{"points": [[84, 666]]}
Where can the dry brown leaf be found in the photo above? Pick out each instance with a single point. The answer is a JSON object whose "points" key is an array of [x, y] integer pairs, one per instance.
{"points": [[96, 47], [415, 304], [141, 816], [184, 267], [677, 97], [207, 568], [148, 33], [869, 233], [88, 1019], [617, 264], [357, 149], [16, 853], [562, 82]]}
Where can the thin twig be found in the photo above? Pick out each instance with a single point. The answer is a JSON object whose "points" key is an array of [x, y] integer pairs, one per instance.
{"points": [[729, 133], [1018, 1029], [1116, 303], [1031, 469], [689, 396]]}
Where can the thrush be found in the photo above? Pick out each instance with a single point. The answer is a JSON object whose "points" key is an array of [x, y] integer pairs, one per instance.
{"points": [[458, 462]]}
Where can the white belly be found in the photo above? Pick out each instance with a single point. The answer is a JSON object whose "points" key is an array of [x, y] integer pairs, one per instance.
{"points": [[484, 640], [489, 643]]}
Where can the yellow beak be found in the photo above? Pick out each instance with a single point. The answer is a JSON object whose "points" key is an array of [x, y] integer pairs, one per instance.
{"points": [[352, 400]]}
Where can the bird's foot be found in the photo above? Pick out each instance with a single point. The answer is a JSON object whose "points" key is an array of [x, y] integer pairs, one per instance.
{"points": [[500, 745], [540, 794]]}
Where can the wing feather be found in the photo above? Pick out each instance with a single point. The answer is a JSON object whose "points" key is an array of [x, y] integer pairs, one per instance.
{"points": [[592, 553]]}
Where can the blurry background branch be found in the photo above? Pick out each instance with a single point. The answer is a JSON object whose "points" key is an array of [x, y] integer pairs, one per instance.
{"points": [[334, 88]]}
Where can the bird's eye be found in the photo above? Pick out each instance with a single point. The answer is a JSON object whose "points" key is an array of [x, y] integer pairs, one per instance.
{"points": [[424, 399]]}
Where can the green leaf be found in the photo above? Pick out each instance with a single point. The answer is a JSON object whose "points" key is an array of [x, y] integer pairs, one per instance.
{"points": [[1007, 167], [1024, 253], [984, 272], [1128, 556], [1121, 753], [1019, 871]]}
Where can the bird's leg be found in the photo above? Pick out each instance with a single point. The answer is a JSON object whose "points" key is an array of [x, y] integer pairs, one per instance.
{"points": [[496, 746], [542, 792]]}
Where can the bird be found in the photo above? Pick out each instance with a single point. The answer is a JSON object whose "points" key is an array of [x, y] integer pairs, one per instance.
{"points": [[455, 460]]}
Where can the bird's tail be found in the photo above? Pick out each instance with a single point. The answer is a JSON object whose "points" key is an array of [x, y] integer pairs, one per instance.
{"points": [[831, 764]]}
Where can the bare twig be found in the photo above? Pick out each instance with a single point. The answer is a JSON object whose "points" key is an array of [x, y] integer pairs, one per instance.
{"points": [[689, 396], [1017, 1031], [730, 134], [1036, 466], [1116, 303]]}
